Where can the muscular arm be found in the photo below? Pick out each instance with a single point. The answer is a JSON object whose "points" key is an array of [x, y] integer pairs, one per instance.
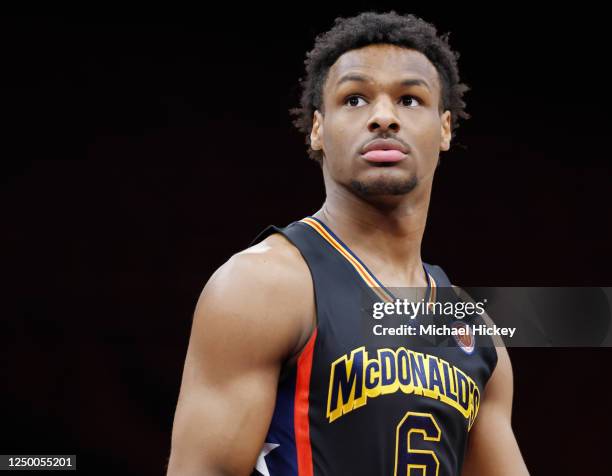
{"points": [[245, 324], [492, 447]]}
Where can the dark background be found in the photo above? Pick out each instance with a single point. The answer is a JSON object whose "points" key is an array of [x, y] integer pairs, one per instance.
{"points": [[142, 148]]}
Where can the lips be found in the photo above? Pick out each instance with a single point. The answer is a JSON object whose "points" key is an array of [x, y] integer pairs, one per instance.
{"points": [[385, 150], [384, 156]]}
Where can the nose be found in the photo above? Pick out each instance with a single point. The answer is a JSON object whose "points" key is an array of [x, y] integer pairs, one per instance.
{"points": [[383, 117]]}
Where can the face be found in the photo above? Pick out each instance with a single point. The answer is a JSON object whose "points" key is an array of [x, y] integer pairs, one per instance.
{"points": [[381, 91]]}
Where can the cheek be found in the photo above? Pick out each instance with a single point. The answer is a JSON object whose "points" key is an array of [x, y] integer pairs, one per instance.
{"points": [[339, 161], [428, 135], [340, 144]]}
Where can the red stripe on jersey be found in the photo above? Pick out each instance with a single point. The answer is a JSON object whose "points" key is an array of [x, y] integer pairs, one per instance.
{"points": [[300, 415]]}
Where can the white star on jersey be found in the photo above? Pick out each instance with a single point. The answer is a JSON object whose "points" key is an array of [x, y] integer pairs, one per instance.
{"points": [[261, 462]]}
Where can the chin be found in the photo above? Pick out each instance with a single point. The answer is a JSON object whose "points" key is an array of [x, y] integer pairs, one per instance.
{"points": [[380, 186]]}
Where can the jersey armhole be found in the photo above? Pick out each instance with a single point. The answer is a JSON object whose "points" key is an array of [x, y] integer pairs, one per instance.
{"points": [[289, 363], [492, 348]]}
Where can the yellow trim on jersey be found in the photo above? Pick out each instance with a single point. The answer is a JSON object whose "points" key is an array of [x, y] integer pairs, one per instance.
{"points": [[361, 270], [359, 376]]}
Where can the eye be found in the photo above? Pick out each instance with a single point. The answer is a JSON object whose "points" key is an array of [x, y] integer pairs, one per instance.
{"points": [[411, 98], [353, 100]]}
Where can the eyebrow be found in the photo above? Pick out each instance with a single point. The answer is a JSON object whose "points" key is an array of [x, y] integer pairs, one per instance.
{"points": [[362, 79]]}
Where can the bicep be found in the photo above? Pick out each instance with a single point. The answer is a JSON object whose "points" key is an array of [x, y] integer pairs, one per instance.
{"points": [[229, 382], [220, 425]]}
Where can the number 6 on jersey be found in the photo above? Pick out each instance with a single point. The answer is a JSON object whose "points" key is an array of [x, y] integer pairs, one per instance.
{"points": [[408, 458]]}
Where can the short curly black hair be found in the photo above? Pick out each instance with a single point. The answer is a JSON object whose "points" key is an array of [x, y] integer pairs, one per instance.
{"points": [[368, 28]]}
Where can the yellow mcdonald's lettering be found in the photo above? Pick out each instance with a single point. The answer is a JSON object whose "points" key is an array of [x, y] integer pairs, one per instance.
{"points": [[357, 376], [346, 386]]}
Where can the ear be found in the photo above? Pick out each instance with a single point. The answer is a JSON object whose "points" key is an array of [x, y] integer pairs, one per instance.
{"points": [[316, 134], [445, 131]]}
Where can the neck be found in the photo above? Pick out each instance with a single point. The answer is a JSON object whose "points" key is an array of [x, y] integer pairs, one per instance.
{"points": [[386, 234]]}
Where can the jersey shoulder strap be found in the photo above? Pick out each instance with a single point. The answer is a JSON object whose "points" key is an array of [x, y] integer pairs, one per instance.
{"points": [[269, 230], [438, 274]]}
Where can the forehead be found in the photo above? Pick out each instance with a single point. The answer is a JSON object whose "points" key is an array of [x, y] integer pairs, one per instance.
{"points": [[384, 62]]}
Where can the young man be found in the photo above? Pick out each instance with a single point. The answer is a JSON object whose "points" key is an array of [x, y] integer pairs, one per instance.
{"points": [[280, 378]]}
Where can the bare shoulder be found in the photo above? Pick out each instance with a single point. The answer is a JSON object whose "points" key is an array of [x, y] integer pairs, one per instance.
{"points": [[250, 317], [263, 292], [274, 259], [272, 270]]}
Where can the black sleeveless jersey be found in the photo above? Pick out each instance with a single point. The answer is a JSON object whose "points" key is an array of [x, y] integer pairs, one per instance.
{"points": [[356, 403]]}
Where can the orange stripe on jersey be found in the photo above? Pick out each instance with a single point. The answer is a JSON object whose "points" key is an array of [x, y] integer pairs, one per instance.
{"points": [[356, 264], [363, 272], [432, 288], [300, 412]]}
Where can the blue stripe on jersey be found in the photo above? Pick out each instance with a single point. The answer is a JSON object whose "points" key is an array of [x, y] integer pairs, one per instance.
{"points": [[282, 461]]}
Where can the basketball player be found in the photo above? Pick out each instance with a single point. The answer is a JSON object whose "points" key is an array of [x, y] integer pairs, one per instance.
{"points": [[280, 378]]}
